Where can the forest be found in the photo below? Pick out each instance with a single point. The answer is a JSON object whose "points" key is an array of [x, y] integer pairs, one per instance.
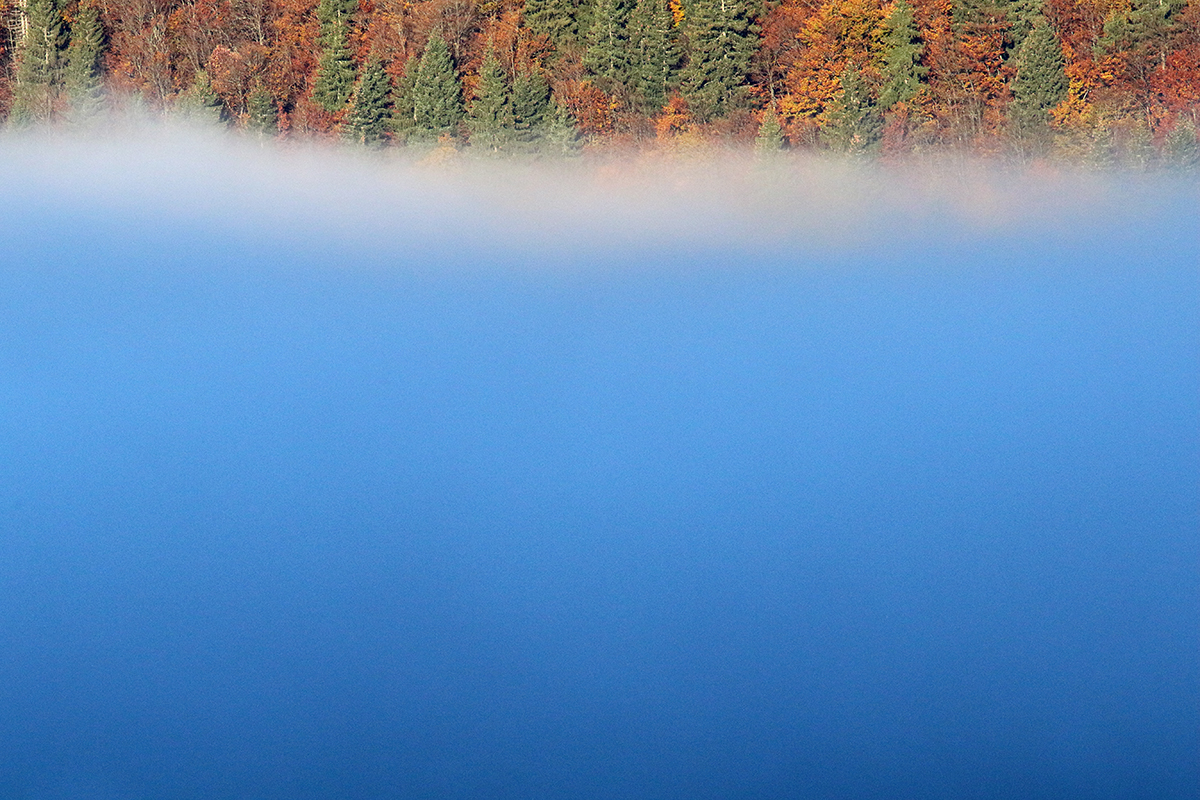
{"points": [[1101, 82]]}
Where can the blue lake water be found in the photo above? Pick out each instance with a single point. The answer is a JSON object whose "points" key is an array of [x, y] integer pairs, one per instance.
{"points": [[911, 519]]}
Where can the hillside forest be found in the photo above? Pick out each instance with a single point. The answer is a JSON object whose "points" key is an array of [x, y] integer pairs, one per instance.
{"points": [[1102, 81]]}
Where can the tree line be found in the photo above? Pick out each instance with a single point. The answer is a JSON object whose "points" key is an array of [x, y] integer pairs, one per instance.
{"points": [[1101, 80]]}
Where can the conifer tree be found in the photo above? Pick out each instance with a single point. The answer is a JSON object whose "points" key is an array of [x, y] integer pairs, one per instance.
{"points": [[770, 133], [606, 56], [555, 19], [437, 95], [1021, 16], [490, 121], [370, 112], [1041, 79], [38, 63], [335, 68], [1181, 151], [200, 103], [82, 74], [721, 41], [653, 54], [404, 121], [562, 136], [855, 123], [902, 50], [261, 113], [530, 104]]}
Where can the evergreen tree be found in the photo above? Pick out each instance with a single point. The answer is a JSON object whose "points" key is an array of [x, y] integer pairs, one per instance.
{"points": [[606, 56], [38, 63], [770, 133], [1041, 80], [82, 75], [1181, 151], [530, 104], [490, 121], [370, 112], [902, 50], [855, 123], [562, 136], [555, 19], [404, 121], [262, 115], [653, 54], [200, 103], [721, 41], [335, 68], [437, 95]]}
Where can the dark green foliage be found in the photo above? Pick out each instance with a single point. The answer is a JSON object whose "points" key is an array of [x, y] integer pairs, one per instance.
{"points": [[855, 123], [556, 19], [1144, 31], [261, 114], [1041, 80], [200, 103], [1181, 151], [606, 56], [653, 54], [38, 63], [720, 43], [770, 133], [902, 50], [530, 104], [331, 13], [437, 95], [490, 121], [370, 112], [404, 122], [81, 78], [335, 69]]}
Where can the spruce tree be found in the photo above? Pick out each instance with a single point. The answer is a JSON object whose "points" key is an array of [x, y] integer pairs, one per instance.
{"points": [[370, 112], [261, 113], [606, 56], [721, 41], [855, 123], [82, 74], [562, 136], [38, 63], [555, 19], [437, 95], [335, 68], [490, 121], [404, 121], [902, 50], [200, 103], [1041, 79], [653, 54], [770, 133], [530, 104], [1181, 151]]}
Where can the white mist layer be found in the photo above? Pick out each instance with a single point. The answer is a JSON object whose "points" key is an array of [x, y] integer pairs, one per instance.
{"points": [[390, 200]]}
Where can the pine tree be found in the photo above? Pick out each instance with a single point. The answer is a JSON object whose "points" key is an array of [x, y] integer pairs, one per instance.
{"points": [[902, 50], [1021, 16], [404, 121], [38, 64], [770, 133], [335, 68], [370, 112], [200, 103], [1181, 151], [82, 74], [490, 121], [437, 95], [530, 104], [721, 42], [562, 136], [262, 115], [653, 54], [555, 19], [1041, 80], [855, 123], [606, 55]]}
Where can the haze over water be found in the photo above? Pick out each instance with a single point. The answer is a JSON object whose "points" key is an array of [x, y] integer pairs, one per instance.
{"points": [[328, 477]]}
